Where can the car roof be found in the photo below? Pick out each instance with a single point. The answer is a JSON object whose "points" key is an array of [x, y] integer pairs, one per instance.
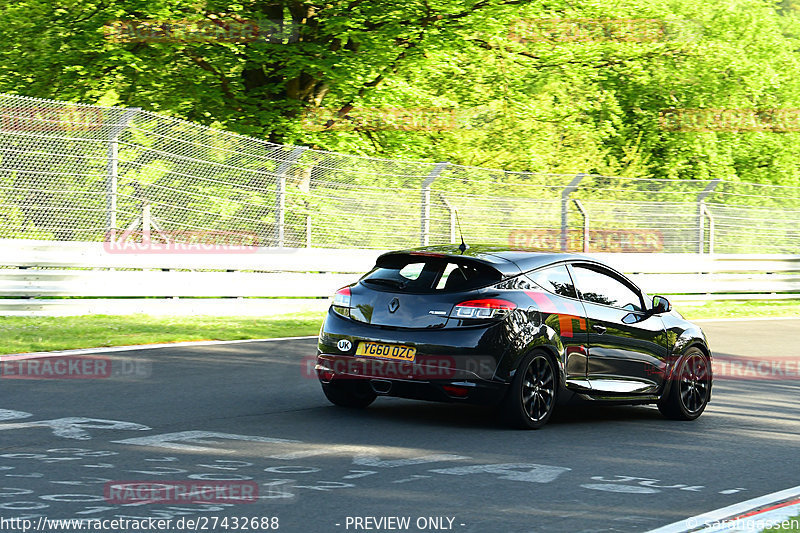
{"points": [[508, 262]]}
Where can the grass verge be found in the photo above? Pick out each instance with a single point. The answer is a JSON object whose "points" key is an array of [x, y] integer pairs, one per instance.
{"points": [[740, 309], [790, 525], [38, 334]]}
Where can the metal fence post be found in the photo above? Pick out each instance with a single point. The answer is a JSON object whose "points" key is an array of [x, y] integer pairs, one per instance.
{"points": [[425, 206], [452, 211], [147, 222], [707, 213], [701, 208], [569, 189], [112, 168], [280, 194], [580, 207]]}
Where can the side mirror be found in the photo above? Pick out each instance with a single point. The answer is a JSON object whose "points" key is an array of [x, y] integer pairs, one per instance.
{"points": [[661, 305]]}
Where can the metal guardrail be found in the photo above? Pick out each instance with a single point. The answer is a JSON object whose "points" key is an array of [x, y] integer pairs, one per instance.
{"points": [[40, 278], [49, 278]]}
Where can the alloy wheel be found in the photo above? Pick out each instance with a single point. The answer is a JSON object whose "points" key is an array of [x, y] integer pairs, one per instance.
{"points": [[694, 383], [538, 388]]}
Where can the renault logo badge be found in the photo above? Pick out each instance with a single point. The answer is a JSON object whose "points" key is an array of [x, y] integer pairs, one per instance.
{"points": [[394, 305]]}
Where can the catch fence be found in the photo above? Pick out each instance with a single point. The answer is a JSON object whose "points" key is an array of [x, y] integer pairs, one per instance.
{"points": [[73, 172]]}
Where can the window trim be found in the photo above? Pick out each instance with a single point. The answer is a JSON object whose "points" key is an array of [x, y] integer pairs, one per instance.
{"points": [[613, 274], [552, 265]]}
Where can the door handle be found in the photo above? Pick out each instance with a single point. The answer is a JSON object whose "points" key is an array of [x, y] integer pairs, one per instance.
{"points": [[599, 328]]}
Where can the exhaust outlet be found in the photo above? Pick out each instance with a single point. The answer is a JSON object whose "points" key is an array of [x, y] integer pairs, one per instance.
{"points": [[380, 386]]}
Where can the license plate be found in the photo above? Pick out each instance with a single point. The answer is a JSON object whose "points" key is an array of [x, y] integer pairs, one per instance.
{"points": [[386, 351]]}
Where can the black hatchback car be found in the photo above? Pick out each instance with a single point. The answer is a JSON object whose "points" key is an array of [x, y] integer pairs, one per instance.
{"points": [[520, 330]]}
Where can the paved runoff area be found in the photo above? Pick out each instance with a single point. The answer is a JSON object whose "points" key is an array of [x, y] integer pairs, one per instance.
{"points": [[239, 437]]}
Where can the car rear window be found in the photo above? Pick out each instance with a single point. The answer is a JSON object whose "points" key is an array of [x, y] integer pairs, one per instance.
{"points": [[409, 273]]}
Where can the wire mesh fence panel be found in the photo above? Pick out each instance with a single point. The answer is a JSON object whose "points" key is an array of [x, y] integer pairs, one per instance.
{"points": [[72, 172]]}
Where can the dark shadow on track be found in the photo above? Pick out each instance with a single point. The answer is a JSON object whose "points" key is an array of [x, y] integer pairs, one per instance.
{"points": [[419, 413]]}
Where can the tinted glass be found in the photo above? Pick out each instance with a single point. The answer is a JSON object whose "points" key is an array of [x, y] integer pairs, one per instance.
{"points": [[410, 274], [412, 270], [555, 280], [600, 288]]}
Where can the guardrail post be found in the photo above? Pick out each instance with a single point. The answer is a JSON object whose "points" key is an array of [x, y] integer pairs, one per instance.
{"points": [[280, 193], [585, 215], [569, 189], [425, 204], [701, 213], [112, 168]]}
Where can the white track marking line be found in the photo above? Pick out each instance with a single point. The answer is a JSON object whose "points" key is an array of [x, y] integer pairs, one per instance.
{"points": [[134, 347], [691, 523]]}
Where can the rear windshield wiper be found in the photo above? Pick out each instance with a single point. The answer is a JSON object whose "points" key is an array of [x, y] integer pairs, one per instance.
{"points": [[388, 282]]}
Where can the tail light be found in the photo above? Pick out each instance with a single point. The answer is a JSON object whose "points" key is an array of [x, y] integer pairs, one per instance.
{"points": [[483, 309], [341, 302], [324, 373]]}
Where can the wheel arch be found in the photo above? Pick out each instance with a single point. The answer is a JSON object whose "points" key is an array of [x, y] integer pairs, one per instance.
{"points": [[512, 361], [693, 342]]}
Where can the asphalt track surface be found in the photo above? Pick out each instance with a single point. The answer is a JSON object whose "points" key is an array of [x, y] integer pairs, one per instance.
{"points": [[445, 467]]}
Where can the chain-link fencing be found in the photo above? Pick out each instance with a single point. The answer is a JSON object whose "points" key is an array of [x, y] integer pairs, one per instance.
{"points": [[71, 172]]}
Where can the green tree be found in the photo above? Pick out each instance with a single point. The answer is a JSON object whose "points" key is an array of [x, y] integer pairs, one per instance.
{"points": [[525, 85]]}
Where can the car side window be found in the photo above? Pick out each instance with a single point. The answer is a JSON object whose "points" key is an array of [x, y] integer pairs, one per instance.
{"points": [[600, 288], [554, 279]]}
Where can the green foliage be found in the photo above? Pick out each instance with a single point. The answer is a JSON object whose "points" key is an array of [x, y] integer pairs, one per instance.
{"points": [[562, 101]]}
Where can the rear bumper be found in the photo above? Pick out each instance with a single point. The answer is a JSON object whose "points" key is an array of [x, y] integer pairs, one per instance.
{"points": [[461, 353], [451, 365], [411, 380]]}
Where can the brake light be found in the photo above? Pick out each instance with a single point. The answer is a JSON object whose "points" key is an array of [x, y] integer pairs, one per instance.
{"points": [[426, 254], [483, 309], [341, 302]]}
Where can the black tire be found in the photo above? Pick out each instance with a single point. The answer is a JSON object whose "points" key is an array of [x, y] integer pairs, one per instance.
{"points": [[532, 398], [353, 394], [690, 388]]}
